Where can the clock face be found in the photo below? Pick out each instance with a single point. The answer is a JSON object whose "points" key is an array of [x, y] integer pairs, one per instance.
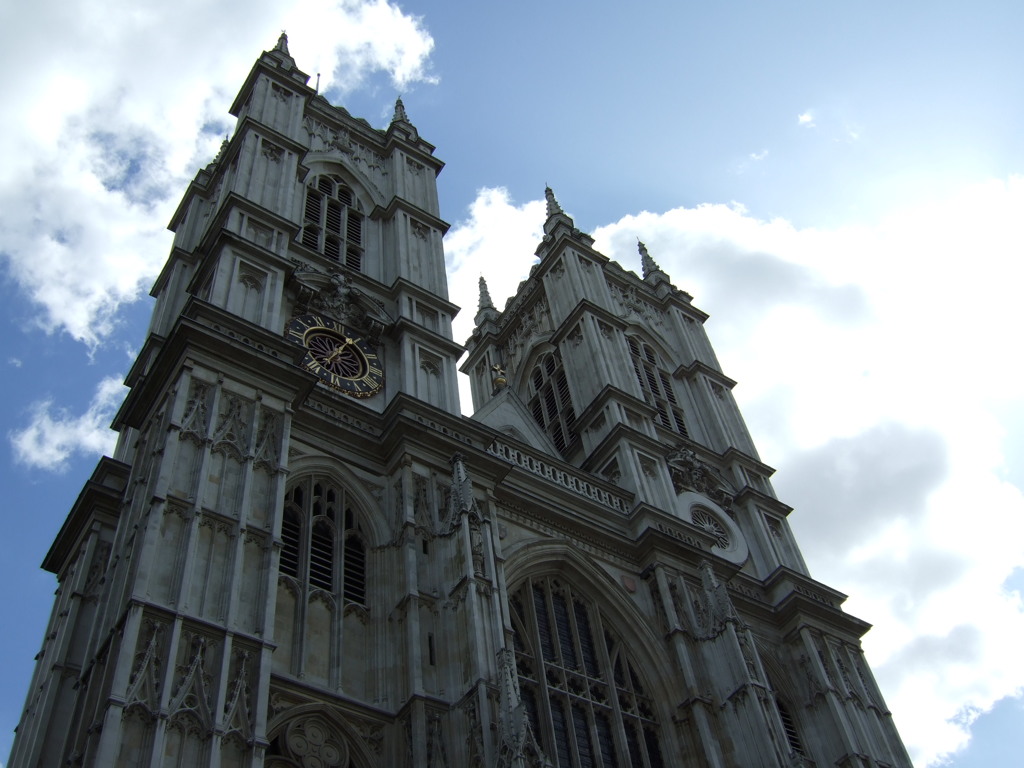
{"points": [[337, 355]]}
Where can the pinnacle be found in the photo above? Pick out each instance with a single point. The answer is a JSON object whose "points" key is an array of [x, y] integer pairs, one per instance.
{"points": [[400, 114], [282, 44], [485, 295], [648, 264], [553, 206]]}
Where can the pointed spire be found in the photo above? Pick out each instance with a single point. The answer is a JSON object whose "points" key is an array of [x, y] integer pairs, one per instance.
{"points": [[400, 112], [485, 295], [652, 272], [553, 206], [646, 262], [486, 311], [282, 44]]}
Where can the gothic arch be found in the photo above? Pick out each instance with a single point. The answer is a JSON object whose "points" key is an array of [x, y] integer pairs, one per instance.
{"points": [[547, 393], [520, 377], [318, 163], [366, 502], [652, 337], [644, 652], [354, 751], [328, 579], [334, 214]]}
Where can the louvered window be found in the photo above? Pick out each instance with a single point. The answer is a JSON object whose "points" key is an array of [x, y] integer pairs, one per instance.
{"points": [[291, 536], [551, 401], [583, 697], [332, 223], [792, 735], [656, 386], [322, 546]]}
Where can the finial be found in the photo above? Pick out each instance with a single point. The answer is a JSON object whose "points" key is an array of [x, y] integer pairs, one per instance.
{"points": [[646, 262], [400, 112], [553, 206], [282, 44], [222, 150], [485, 295]]}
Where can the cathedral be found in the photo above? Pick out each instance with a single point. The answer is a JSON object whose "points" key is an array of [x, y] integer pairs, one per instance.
{"points": [[303, 555]]}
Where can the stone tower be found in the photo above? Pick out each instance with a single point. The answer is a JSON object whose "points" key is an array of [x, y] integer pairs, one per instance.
{"points": [[302, 554]]}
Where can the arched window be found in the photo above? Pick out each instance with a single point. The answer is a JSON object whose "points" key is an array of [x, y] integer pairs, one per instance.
{"points": [[322, 546], [582, 694], [656, 385], [320, 624], [332, 223], [551, 403]]}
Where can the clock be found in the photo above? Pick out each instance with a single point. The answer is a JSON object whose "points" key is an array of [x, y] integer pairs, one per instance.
{"points": [[338, 355]]}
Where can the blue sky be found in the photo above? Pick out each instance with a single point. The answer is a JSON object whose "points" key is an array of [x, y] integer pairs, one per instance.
{"points": [[839, 185]]}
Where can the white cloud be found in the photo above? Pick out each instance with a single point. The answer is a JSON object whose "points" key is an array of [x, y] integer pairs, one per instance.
{"points": [[53, 436], [806, 119], [874, 372], [120, 115], [495, 242], [15, 362], [755, 156]]}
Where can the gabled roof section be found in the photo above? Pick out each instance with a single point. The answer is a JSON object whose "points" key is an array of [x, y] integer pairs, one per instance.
{"points": [[507, 413]]}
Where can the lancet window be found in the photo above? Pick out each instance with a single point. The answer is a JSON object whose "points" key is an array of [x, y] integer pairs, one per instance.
{"points": [[583, 696], [332, 222], [551, 402], [322, 544], [656, 385]]}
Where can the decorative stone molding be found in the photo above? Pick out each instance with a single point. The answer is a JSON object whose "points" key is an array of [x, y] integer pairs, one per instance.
{"points": [[572, 482], [689, 473]]}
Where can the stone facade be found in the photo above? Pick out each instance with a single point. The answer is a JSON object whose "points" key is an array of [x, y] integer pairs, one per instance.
{"points": [[302, 554]]}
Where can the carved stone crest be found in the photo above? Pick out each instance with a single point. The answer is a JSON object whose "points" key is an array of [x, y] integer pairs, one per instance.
{"points": [[689, 473]]}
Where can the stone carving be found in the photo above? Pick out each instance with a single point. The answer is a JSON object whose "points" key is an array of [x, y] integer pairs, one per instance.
{"points": [[534, 320], [144, 683], [312, 743], [689, 473], [197, 418], [476, 538], [708, 522], [814, 686], [648, 466], [712, 607], [474, 736], [347, 304], [190, 703], [518, 745], [272, 152], [371, 734], [97, 568], [237, 711], [279, 93], [268, 440], [232, 431], [421, 511], [324, 138], [437, 755], [460, 498], [632, 305], [575, 483], [261, 235]]}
